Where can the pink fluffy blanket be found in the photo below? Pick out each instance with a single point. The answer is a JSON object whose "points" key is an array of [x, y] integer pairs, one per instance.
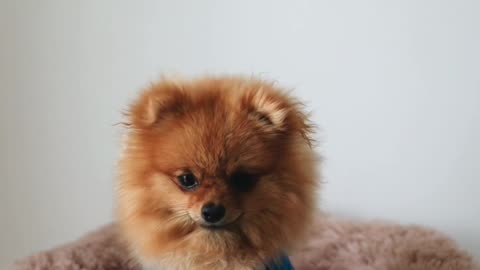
{"points": [[334, 245]]}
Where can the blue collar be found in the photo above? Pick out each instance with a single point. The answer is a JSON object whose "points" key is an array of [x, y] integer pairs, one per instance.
{"points": [[283, 263]]}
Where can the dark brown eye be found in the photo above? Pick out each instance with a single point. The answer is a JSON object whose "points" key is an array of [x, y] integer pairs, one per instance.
{"points": [[243, 181], [188, 181]]}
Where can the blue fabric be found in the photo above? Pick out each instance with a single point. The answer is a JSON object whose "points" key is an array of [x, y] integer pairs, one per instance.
{"points": [[282, 264]]}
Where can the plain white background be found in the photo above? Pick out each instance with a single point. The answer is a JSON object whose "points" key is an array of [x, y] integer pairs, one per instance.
{"points": [[394, 85]]}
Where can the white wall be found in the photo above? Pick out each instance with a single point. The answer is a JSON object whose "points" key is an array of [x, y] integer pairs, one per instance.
{"points": [[395, 86]]}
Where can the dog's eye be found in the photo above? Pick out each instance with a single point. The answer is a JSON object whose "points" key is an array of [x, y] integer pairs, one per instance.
{"points": [[188, 181], [243, 181]]}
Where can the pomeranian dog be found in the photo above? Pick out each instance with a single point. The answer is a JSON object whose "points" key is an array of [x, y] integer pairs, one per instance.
{"points": [[216, 173]]}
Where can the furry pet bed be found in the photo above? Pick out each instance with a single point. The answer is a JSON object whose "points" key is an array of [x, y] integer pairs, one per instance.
{"points": [[334, 245]]}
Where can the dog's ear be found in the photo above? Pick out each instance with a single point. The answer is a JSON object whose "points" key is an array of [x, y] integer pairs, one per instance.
{"points": [[161, 101], [265, 108], [278, 112]]}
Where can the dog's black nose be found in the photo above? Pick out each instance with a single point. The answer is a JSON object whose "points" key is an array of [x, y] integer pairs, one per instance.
{"points": [[213, 213]]}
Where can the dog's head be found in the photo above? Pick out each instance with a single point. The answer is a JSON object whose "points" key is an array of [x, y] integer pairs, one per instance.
{"points": [[219, 166]]}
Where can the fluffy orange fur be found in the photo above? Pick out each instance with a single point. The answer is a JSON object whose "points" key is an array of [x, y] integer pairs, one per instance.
{"points": [[212, 128]]}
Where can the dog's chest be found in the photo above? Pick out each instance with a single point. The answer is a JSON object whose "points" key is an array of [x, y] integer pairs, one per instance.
{"points": [[184, 263], [160, 267], [193, 263]]}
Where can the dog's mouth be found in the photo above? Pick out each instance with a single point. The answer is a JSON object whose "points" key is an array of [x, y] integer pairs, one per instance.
{"points": [[222, 225]]}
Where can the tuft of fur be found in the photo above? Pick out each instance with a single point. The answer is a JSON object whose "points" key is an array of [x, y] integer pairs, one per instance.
{"points": [[214, 127]]}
